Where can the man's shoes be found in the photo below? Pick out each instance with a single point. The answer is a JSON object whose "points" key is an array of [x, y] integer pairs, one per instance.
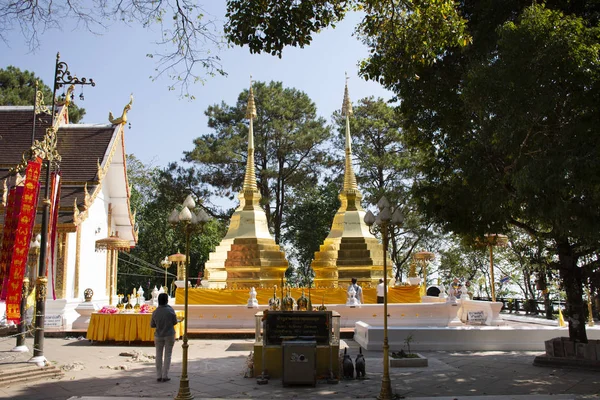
{"points": [[158, 379], [166, 379]]}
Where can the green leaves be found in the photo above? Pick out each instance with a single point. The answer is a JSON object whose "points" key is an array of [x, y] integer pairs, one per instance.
{"points": [[270, 25], [17, 88]]}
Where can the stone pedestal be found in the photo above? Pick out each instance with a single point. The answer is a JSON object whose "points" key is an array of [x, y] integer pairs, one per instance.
{"points": [[85, 311]]}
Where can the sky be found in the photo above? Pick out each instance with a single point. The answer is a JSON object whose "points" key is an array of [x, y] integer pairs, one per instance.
{"points": [[163, 125]]}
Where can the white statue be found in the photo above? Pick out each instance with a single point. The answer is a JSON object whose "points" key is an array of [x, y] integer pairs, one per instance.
{"points": [[442, 294], [161, 290], [352, 301], [252, 302], [141, 292], [451, 295], [154, 296]]}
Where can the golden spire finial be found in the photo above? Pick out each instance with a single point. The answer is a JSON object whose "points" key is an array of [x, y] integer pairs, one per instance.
{"points": [[347, 104], [251, 109], [250, 176], [349, 177]]}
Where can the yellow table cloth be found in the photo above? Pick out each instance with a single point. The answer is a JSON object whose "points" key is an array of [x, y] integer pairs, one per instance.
{"points": [[125, 327], [396, 294]]}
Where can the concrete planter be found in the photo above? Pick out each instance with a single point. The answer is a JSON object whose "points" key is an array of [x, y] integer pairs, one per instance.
{"points": [[409, 362], [562, 352]]}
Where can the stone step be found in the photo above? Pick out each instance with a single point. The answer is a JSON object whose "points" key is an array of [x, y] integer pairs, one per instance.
{"points": [[28, 373]]}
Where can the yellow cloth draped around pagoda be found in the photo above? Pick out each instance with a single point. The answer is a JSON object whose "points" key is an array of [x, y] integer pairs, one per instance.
{"points": [[212, 297], [125, 327]]}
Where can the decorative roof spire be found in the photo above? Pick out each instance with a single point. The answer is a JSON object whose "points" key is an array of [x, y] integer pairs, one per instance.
{"points": [[250, 176], [349, 177]]}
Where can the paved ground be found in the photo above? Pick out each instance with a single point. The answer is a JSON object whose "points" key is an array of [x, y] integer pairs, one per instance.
{"points": [[216, 370]]}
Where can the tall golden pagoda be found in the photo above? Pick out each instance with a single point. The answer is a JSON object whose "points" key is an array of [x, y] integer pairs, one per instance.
{"points": [[350, 250], [248, 255]]}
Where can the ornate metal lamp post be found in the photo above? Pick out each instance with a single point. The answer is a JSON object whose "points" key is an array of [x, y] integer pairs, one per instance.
{"points": [[384, 219], [189, 222], [48, 151], [491, 240]]}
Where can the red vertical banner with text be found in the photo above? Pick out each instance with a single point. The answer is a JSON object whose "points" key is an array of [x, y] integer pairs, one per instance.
{"points": [[8, 235], [20, 251]]}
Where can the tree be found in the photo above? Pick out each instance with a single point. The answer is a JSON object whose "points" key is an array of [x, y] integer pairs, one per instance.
{"points": [[189, 36], [155, 192], [308, 221], [17, 88], [289, 141], [500, 100]]}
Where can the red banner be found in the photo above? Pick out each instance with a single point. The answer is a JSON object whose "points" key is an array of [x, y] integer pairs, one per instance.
{"points": [[24, 228], [8, 237]]}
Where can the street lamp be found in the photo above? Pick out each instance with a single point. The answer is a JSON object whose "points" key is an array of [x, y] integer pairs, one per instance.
{"points": [[49, 153], [384, 219], [165, 264], [189, 222], [491, 240]]}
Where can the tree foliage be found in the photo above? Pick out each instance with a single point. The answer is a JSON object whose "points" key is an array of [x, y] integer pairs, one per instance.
{"points": [[155, 193], [307, 224], [289, 141], [500, 101], [187, 42], [17, 88]]}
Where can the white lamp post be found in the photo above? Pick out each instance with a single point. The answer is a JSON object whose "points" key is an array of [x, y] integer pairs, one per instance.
{"points": [[189, 222], [384, 219]]}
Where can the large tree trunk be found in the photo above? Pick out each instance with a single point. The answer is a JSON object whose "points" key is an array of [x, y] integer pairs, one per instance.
{"points": [[572, 279]]}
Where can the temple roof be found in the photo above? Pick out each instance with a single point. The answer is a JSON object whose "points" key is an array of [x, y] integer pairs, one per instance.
{"points": [[88, 151]]}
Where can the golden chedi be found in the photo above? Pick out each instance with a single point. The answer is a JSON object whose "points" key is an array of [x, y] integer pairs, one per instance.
{"points": [[350, 250], [248, 255]]}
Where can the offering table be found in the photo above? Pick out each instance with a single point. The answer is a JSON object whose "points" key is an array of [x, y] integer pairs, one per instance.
{"points": [[126, 327]]}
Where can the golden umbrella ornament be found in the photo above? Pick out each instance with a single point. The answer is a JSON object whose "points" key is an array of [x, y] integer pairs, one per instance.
{"points": [[113, 244], [179, 259], [423, 257]]}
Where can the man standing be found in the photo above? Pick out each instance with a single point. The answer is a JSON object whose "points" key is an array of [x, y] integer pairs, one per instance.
{"points": [[163, 319], [380, 292], [357, 290]]}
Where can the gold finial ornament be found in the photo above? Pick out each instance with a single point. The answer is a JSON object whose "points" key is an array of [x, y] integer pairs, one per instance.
{"points": [[251, 108], [274, 303], [287, 304], [346, 104], [40, 107], [250, 176], [123, 118], [302, 302]]}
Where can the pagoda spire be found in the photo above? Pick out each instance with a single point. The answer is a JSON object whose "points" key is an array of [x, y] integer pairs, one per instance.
{"points": [[250, 176], [349, 177], [248, 255], [350, 250]]}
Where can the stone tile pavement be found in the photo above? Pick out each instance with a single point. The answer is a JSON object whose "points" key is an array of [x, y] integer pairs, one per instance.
{"points": [[216, 370]]}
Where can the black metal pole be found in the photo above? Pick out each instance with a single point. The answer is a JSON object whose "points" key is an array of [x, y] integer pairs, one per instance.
{"points": [[41, 281], [21, 347]]}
